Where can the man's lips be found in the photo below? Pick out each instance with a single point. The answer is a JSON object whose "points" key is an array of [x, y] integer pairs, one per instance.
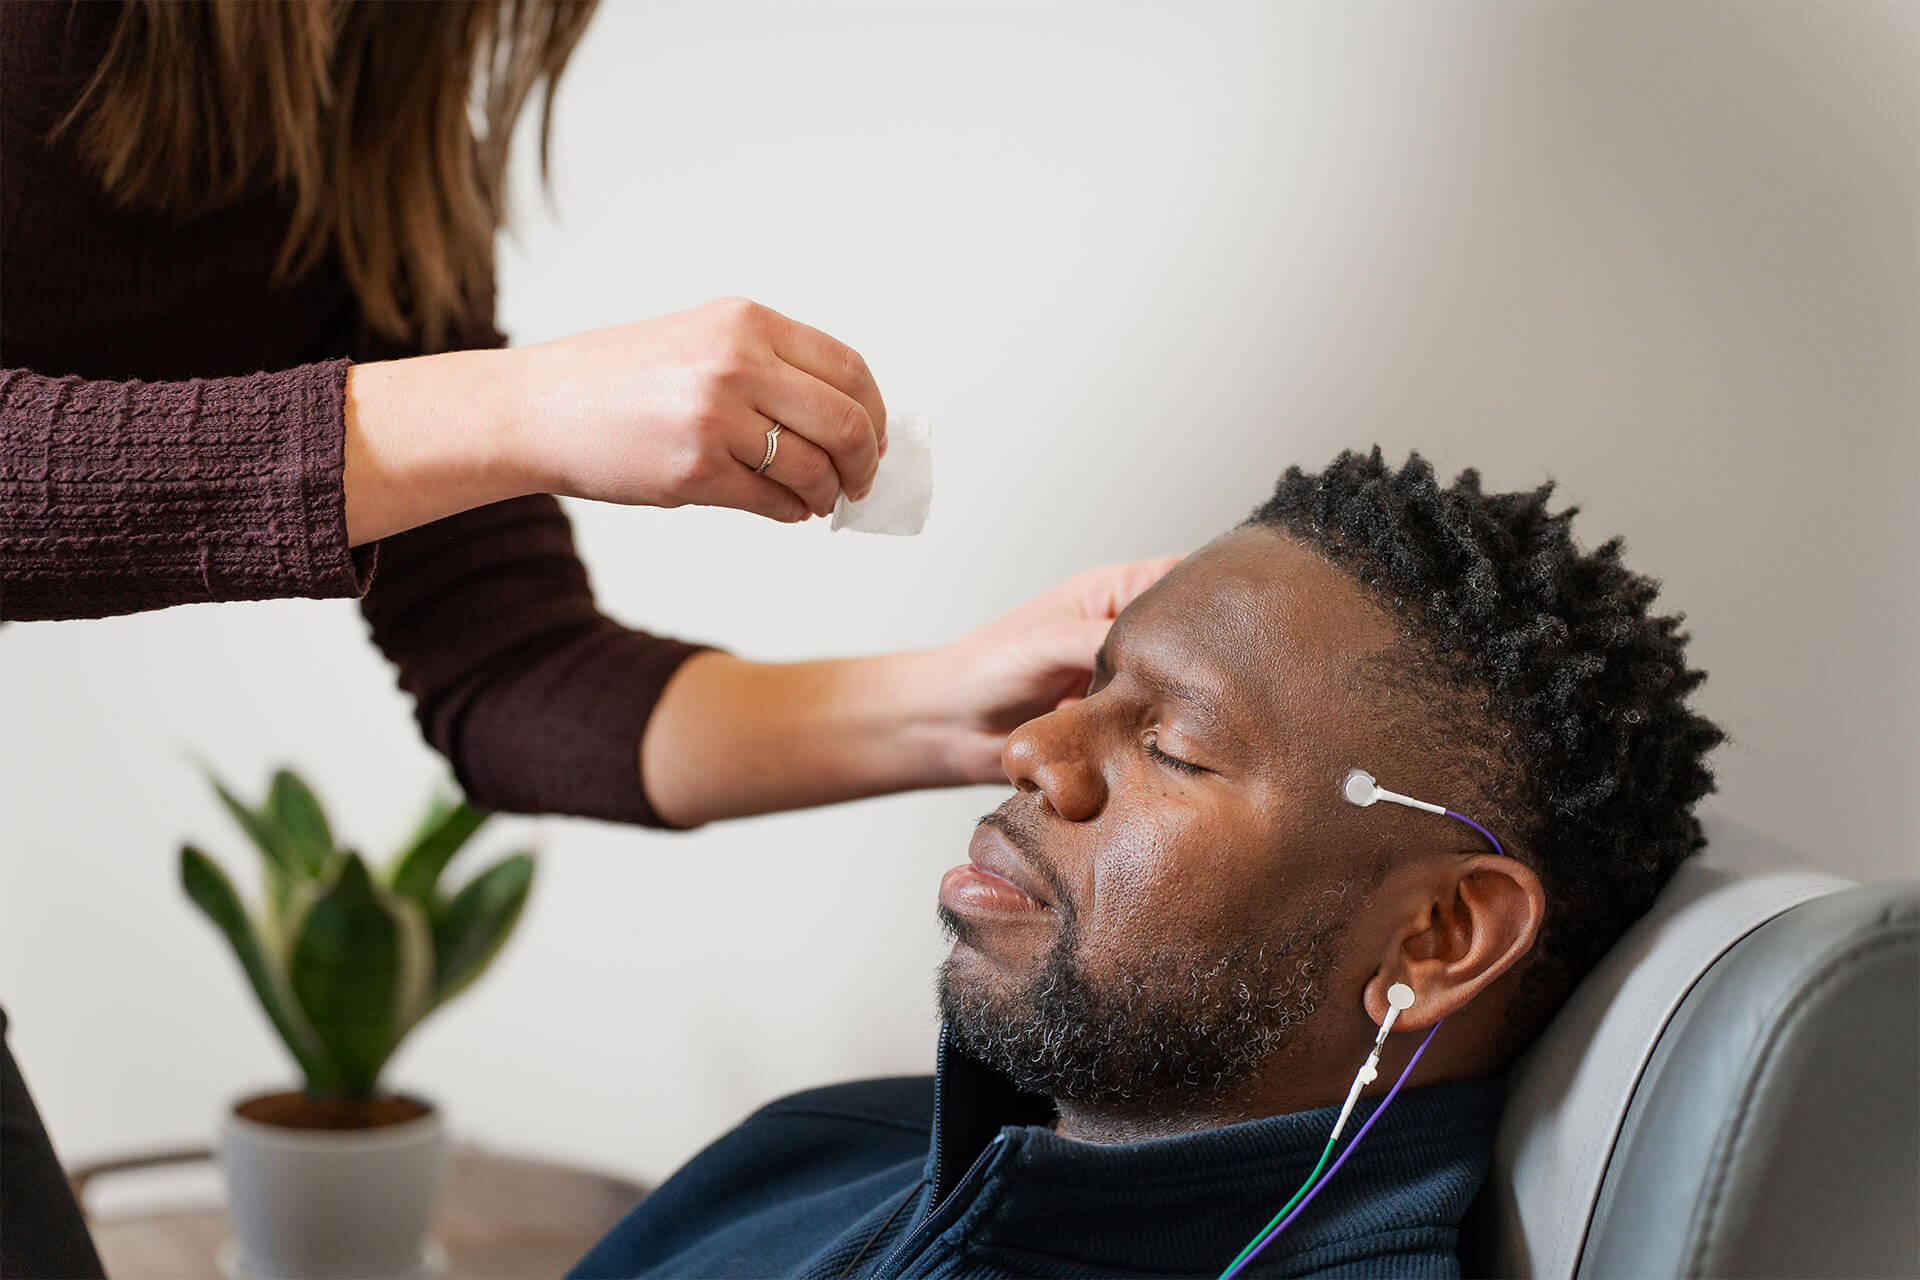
{"points": [[994, 880]]}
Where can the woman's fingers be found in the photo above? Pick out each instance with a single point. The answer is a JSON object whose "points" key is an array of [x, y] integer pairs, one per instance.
{"points": [[833, 362], [1104, 592], [1069, 644], [799, 464], [831, 419], [741, 489]]}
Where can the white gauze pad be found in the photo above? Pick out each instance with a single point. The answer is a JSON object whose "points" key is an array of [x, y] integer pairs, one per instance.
{"points": [[902, 488]]}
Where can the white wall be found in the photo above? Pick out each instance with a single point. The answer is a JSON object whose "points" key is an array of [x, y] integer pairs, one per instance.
{"points": [[1133, 260]]}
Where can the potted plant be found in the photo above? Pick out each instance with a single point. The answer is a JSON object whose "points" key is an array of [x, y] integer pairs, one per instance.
{"points": [[337, 1179]]}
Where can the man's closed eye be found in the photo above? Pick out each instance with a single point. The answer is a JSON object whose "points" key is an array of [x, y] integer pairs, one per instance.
{"points": [[1152, 744]]}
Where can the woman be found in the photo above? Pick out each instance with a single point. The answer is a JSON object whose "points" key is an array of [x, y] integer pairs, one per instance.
{"points": [[195, 193]]}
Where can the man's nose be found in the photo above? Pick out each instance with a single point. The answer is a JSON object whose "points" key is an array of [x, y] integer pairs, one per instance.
{"points": [[1053, 755]]}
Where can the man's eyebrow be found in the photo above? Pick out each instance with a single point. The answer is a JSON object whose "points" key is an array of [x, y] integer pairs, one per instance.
{"points": [[1205, 702]]}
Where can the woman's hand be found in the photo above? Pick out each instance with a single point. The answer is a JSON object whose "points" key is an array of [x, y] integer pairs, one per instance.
{"points": [[731, 737], [1031, 661], [675, 411], [665, 412]]}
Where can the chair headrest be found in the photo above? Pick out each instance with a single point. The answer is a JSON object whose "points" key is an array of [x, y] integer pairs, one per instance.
{"points": [[1569, 1093], [1776, 1130]]}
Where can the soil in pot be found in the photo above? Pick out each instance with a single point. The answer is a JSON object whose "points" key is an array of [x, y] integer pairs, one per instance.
{"points": [[297, 1110]]}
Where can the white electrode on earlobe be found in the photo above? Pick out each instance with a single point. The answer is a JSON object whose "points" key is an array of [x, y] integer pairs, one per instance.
{"points": [[1399, 999]]}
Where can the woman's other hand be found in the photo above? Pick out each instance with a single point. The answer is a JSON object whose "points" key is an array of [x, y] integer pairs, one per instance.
{"points": [[1031, 661], [730, 737], [667, 412]]}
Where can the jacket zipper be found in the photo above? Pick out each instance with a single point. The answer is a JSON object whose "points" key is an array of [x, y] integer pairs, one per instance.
{"points": [[939, 1154], [937, 1194], [936, 1218]]}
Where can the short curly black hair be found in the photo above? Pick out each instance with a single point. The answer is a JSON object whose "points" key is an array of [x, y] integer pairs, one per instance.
{"points": [[1542, 660]]}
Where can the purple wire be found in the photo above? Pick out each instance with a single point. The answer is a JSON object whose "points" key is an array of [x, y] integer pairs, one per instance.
{"points": [[1483, 831], [1377, 1113]]}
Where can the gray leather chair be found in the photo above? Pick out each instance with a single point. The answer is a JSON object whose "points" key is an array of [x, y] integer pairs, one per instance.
{"points": [[1734, 1090]]}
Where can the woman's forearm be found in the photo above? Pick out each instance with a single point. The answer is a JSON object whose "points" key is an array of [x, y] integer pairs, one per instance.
{"points": [[731, 737], [426, 438]]}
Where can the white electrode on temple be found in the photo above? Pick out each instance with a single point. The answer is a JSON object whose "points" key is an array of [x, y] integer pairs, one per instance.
{"points": [[902, 490], [1360, 788]]}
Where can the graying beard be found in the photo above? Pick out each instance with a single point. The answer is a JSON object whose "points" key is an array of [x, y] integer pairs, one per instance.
{"points": [[1178, 1028]]}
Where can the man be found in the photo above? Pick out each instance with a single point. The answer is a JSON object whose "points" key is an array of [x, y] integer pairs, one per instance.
{"points": [[1174, 942]]}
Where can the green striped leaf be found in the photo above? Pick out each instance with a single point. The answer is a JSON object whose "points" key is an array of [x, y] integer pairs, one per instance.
{"points": [[361, 966], [470, 930], [279, 854], [207, 885], [416, 871], [293, 804]]}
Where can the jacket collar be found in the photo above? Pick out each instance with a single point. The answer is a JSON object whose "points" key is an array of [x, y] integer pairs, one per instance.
{"points": [[1186, 1204], [972, 1103]]}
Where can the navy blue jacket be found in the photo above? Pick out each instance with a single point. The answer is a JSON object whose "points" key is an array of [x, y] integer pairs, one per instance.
{"points": [[959, 1175]]}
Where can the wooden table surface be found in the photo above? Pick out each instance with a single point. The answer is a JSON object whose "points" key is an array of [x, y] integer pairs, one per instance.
{"points": [[498, 1217]]}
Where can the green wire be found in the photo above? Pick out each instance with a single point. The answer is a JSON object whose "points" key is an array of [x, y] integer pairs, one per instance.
{"points": [[1304, 1187]]}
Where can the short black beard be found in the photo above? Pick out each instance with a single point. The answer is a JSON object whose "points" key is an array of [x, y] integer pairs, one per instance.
{"points": [[1175, 1031]]}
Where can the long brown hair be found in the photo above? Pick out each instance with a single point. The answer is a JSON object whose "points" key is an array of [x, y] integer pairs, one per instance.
{"points": [[362, 111]]}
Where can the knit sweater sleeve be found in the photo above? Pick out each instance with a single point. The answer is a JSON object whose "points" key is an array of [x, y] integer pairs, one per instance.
{"points": [[116, 497], [536, 698]]}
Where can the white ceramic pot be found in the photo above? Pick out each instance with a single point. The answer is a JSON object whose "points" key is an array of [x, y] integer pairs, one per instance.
{"points": [[333, 1204]]}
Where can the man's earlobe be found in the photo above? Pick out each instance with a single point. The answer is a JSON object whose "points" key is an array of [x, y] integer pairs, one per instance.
{"points": [[1481, 921], [1379, 1000]]}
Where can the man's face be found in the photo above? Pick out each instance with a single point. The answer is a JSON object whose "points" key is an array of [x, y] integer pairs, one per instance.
{"points": [[1182, 867]]}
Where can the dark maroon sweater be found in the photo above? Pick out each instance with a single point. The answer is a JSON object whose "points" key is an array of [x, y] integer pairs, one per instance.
{"points": [[146, 460]]}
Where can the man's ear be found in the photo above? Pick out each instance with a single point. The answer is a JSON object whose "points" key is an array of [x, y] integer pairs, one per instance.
{"points": [[1477, 920]]}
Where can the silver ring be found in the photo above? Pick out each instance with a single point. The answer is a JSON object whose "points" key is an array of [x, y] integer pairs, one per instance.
{"points": [[773, 447]]}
